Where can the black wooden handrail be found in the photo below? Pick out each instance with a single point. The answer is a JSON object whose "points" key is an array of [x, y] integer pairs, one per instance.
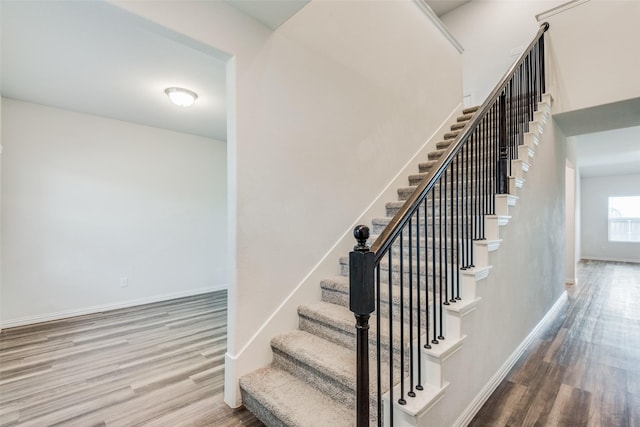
{"points": [[400, 219], [438, 224]]}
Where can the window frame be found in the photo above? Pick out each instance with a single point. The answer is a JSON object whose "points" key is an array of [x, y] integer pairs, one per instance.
{"points": [[630, 223]]}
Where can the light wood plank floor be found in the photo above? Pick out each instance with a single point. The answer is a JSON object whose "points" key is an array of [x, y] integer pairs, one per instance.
{"points": [[584, 369], [159, 365]]}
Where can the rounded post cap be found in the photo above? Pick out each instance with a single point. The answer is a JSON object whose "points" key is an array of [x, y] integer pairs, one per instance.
{"points": [[361, 233]]}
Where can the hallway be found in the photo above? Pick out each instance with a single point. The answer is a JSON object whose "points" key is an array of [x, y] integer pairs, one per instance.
{"points": [[584, 368]]}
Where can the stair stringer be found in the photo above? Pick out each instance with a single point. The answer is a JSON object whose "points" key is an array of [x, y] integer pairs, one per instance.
{"points": [[470, 373]]}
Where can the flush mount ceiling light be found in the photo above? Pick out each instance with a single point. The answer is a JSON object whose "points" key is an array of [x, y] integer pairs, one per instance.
{"points": [[180, 96]]}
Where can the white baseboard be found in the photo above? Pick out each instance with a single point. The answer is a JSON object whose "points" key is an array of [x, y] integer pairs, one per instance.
{"points": [[30, 320], [590, 258], [467, 415]]}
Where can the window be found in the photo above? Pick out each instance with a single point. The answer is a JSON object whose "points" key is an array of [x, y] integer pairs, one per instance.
{"points": [[624, 219]]}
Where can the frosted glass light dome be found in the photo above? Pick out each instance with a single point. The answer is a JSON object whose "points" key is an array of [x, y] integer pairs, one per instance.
{"points": [[180, 96]]}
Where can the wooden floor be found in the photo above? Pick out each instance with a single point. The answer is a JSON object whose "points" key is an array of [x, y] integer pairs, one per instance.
{"points": [[157, 365], [584, 370], [162, 365]]}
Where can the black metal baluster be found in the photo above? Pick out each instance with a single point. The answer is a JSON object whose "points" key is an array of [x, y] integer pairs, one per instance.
{"points": [[463, 248], [452, 231], [521, 97], [543, 64], [483, 174], [418, 302], [469, 211], [473, 195], [427, 343], [472, 210], [411, 393], [441, 272], [458, 207], [378, 345], [433, 264], [513, 113], [391, 350], [502, 142], [534, 77], [443, 208], [496, 150], [401, 400], [530, 86], [477, 186], [459, 262]]}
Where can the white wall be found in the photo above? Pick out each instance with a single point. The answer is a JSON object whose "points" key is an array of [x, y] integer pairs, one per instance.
{"points": [[0, 188], [324, 112], [88, 200], [572, 211], [595, 193], [493, 34], [578, 219], [593, 50], [570, 231]]}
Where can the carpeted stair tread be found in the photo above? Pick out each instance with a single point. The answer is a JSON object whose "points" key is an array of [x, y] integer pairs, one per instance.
{"points": [[458, 125], [405, 192], [427, 166], [436, 154], [324, 356], [424, 265], [278, 398], [341, 284], [442, 145], [339, 318], [451, 135], [465, 117], [470, 110], [416, 179]]}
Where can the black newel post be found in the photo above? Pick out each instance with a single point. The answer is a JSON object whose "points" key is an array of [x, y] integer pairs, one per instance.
{"points": [[503, 159], [362, 304]]}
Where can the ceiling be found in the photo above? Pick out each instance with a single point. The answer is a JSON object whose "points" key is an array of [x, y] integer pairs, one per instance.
{"points": [[440, 7], [607, 137], [613, 152], [93, 57], [271, 13]]}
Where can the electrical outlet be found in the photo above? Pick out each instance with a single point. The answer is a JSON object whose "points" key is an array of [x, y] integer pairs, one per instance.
{"points": [[124, 282]]}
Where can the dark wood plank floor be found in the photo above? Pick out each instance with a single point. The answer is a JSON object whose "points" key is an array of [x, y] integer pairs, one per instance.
{"points": [[584, 369], [159, 365]]}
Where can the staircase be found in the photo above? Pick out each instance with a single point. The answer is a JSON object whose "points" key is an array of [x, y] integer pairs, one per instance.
{"points": [[312, 379]]}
